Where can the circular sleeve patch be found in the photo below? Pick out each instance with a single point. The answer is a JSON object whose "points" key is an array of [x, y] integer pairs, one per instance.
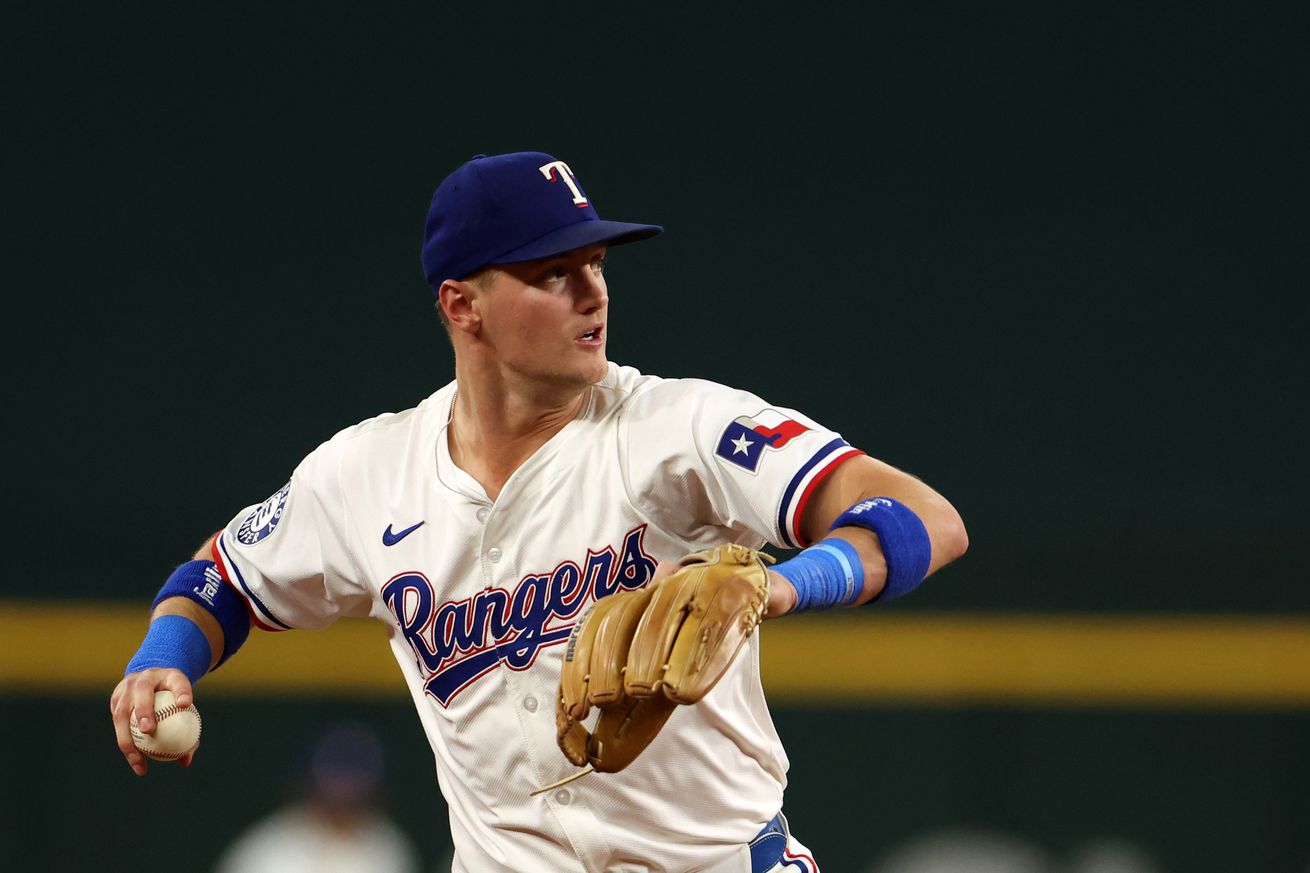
{"points": [[264, 518]]}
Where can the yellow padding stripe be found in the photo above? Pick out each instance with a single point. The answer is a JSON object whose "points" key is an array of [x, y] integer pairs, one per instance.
{"points": [[1042, 660], [52, 649], [855, 658]]}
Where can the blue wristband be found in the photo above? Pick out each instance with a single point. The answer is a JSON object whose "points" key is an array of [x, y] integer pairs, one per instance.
{"points": [[176, 642], [902, 536], [827, 574], [200, 582]]}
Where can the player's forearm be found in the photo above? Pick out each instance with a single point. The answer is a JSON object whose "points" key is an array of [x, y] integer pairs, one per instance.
{"points": [[945, 528], [203, 618], [206, 550], [877, 532], [866, 478], [863, 479], [179, 597], [943, 524]]}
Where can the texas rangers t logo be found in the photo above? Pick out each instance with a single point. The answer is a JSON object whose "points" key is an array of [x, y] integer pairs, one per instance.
{"points": [[560, 170], [745, 439]]}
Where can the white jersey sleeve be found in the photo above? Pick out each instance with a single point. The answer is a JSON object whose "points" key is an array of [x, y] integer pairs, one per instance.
{"points": [[290, 556], [702, 457]]}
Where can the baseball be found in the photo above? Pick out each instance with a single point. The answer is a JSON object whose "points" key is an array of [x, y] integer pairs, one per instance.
{"points": [[177, 730]]}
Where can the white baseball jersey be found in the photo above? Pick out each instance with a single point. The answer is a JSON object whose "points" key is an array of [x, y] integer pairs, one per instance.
{"points": [[480, 595]]}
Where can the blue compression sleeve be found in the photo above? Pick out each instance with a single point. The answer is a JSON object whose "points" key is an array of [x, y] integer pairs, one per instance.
{"points": [[827, 574], [902, 536], [173, 641], [200, 582]]}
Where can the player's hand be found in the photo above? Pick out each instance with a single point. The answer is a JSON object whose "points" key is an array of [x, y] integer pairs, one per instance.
{"points": [[639, 654], [782, 594], [137, 691], [663, 569]]}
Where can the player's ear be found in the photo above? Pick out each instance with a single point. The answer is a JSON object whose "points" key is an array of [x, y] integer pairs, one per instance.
{"points": [[455, 300]]}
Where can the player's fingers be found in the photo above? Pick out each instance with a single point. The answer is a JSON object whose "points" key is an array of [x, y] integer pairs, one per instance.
{"points": [[177, 682], [185, 760], [123, 736], [141, 696]]}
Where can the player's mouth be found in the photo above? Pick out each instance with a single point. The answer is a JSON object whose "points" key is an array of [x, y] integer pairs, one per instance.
{"points": [[594, 337]]}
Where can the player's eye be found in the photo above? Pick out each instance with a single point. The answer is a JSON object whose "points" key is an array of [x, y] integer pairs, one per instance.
{"points": [[598, 265], [554, 274]]}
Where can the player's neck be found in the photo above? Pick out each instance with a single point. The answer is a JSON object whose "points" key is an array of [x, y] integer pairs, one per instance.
{"points": [[493, 431]]}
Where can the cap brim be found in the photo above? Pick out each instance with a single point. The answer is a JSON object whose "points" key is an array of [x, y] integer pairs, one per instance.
{"points": [[580, 235]]}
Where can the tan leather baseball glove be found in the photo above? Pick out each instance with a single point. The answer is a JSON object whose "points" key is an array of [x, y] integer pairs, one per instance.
{"points": [[637, 655]]}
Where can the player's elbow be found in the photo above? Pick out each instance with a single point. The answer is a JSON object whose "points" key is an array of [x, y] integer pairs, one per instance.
{"points": [[203, 553], [950, 539]]}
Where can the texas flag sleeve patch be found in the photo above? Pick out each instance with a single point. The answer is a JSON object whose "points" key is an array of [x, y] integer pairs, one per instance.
{"points": [[746, 438]]}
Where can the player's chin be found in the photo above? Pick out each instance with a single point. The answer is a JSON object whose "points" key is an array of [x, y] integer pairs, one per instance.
{"points": [[592, 361], [597, 372]]}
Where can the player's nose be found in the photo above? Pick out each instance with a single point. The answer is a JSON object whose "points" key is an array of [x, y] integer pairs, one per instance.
{"points": [[592, 292]]}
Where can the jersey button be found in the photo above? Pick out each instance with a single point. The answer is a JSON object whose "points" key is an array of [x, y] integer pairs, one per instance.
{"points": [[563, 797], [493, 554], [530, 703], [483, 513]]}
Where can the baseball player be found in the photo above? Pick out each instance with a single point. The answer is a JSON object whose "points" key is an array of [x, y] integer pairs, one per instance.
{"points": [[482, 525]]}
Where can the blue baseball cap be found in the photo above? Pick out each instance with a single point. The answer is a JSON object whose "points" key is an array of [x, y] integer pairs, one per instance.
{"points": [[505, 209]]}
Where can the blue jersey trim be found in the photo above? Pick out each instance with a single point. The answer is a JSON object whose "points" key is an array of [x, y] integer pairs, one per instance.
{"points": [[241, 580], [787, 495]]}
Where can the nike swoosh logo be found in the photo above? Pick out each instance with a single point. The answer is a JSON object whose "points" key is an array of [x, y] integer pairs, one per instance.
{"points": [[390, 539]]}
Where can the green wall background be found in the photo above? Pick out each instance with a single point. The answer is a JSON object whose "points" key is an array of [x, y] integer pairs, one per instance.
{"points": [[1046, 257]]}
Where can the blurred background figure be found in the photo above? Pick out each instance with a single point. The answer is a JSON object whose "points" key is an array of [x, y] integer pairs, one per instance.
{"points": [[977, 850], [1109, 856], [335, 823], [966, 850]]}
